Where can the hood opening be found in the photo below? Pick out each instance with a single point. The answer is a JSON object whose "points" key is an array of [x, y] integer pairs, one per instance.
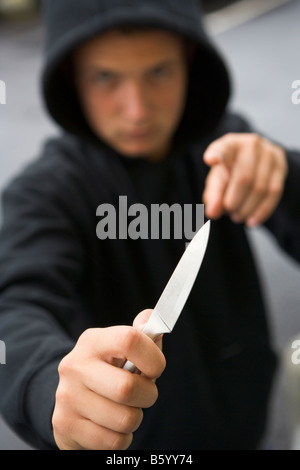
{"points": [[209, 82]]}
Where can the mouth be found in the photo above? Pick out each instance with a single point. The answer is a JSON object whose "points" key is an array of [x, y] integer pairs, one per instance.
{"points": [[139, 135]]}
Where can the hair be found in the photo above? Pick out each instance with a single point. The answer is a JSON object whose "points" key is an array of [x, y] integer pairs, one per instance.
{"points": [[67, 65], [128, 29]]}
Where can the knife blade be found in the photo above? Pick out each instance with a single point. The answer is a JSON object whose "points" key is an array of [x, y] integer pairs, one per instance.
{"points": [[174, 296]]}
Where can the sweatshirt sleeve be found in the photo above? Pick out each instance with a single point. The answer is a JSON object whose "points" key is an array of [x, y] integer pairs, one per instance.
{"points": [[285, 221], [41, 261]]}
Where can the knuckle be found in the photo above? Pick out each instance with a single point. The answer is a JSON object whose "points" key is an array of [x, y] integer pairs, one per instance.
{"points": [[228, 206], [87, 336], [130, 420], [276, 190], [283, 165], [60, 423], [57, 423], [130, 337], [244, 179], [120, 441], [259, 189], [63, 395], [254, 140], [152, 396], [162, 364], [124, 390], [155, 395], [65, 425], [65, 366]]}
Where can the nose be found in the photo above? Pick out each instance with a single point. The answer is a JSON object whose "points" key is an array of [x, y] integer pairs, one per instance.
{"points": [[135, 103]]}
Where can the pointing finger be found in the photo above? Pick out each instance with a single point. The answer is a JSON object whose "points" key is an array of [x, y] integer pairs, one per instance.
{"points": [[222, 150], [215, 188]]}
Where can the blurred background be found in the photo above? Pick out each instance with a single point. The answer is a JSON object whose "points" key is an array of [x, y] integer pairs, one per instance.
{"points": [[261, 44]]}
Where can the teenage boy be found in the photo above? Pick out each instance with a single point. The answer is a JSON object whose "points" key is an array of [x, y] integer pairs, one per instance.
{"points": [[141, 95]]}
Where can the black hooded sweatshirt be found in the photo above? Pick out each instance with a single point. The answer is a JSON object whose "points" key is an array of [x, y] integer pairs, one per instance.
{"points": [[57, 277]]}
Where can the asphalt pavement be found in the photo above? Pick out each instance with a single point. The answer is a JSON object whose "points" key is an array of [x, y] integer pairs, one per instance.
{"points": [[264, 57]]}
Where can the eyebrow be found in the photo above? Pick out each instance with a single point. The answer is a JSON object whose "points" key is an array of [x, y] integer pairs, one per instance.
{"points": [[98, 68]]}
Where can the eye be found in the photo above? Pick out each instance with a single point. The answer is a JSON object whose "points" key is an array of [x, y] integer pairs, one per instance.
{"points": [[160, 72], [105, 78]]}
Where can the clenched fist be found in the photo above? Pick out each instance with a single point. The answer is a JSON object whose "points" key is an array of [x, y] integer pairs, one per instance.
{"points": [[98, 404]]}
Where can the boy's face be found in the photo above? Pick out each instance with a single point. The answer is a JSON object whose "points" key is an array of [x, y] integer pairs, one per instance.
{"points": [[132, 88]]}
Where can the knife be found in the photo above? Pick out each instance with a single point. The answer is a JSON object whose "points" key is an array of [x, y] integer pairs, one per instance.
{"points": [[175, 294]]}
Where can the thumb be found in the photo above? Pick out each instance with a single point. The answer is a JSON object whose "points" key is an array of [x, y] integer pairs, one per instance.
{"points": [[141, 320]]}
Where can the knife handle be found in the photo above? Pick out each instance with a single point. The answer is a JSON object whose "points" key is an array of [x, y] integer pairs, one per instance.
{"points": [[131, 368], [153, 328]]}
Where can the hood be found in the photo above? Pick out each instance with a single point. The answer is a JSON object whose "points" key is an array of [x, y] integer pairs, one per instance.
{"points": [[71, 22]]}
